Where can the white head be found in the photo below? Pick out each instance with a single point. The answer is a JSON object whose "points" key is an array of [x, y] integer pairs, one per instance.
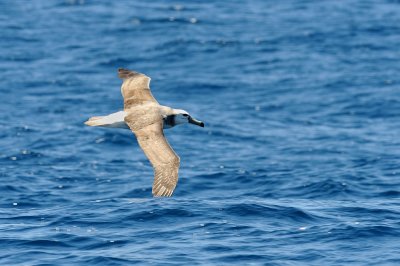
{"points": [[182, 117]]}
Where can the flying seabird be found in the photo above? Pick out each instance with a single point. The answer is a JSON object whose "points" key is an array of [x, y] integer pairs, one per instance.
{"points": [[147, 118]]}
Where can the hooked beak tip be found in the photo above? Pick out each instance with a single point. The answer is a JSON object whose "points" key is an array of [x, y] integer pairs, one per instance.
{"points": [[196, 122]]}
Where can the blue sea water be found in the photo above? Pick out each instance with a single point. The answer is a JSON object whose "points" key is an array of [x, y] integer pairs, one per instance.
{"points": [[299, 162]]}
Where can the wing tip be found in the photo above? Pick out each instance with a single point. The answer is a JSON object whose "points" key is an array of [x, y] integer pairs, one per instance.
{"points": [[124, 73], [163, 192]]}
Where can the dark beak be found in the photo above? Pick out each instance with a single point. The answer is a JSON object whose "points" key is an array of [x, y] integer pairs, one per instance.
{"points": [[195, 122]]}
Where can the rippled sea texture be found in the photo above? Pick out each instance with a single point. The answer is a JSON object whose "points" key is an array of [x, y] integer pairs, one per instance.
{"points": [[299, 162]]}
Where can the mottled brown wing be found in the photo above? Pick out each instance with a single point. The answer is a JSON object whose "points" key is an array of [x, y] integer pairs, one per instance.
{"points": [[162, 157], [135, 88]]}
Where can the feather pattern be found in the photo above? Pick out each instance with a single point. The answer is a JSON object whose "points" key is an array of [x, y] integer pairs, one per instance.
{"points": [[145, 117]]}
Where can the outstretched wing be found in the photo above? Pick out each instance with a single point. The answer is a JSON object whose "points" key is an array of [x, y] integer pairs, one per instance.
{"points": [[162, 157], [135, 88]]}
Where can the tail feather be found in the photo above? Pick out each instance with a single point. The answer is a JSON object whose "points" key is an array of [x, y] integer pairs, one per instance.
{"points": [[115, 120], [95, 118], [95, 121]]}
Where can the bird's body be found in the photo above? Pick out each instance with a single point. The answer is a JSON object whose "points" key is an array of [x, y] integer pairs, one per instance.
{"points": [[147, 118], [117, 120]]}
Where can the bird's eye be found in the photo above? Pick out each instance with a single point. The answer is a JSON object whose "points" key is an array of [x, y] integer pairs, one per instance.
{"points": [[185, 115]]}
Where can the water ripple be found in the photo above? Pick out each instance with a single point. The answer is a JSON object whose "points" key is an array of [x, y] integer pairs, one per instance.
{"points": [[298, 163]]}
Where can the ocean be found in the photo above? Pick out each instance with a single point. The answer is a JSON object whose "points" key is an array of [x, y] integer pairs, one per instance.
{"points": [[298, 163]]}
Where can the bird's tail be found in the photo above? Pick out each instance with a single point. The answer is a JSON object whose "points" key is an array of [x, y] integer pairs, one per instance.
{"points": [[115, 120], [95, 121]]}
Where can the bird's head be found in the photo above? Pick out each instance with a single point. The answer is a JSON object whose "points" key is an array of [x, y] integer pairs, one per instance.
{"points": [[182, 117]]}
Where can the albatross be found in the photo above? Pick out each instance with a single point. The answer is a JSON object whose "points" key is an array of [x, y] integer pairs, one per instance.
{"points": [[146, 118]]}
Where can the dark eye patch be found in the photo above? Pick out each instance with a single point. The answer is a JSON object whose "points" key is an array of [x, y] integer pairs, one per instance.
{"points": [[185, 115]]}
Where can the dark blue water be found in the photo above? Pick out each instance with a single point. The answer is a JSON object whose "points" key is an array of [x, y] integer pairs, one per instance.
{"points": [[299, 162]]}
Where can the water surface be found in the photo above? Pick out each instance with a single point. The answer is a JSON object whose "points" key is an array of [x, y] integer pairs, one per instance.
{"points": [[298, 163]]}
